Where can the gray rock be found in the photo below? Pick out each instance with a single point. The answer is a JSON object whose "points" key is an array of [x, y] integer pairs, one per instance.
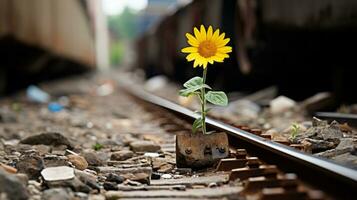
{"points": [[31, 165], [144, 146], [57, 173], [48, 138], [111, 177], [121, 155], [42, 149], [55, 161], [12, 186], [347, 143], [57, 194], [23, 148], [316, 146], [110, 186], [88, 179], [141, 177], [328, 133], [75, 184], [347, 159], [92, 158], [333, 152], [318, 122], [332, 132]]}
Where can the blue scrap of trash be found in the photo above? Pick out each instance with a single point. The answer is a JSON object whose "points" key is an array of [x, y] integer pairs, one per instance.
{"points": [[35, 94], [55, 107]]}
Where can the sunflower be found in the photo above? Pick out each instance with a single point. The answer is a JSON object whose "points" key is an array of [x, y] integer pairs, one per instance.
{"points": [[206, 47]]}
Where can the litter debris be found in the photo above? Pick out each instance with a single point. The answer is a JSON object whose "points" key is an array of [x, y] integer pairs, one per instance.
{"points": [[37, 95], [55, 107]]}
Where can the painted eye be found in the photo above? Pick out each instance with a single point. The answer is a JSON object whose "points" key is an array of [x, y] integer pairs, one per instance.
{"points": [[221, 149], [188, 151]]}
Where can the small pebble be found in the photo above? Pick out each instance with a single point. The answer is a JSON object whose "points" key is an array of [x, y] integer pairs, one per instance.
{"points": [[78, 161], [110, 186], [211, 185], [166, 176], [155, 176], [133, 183], [152, 155], [115, 178]]}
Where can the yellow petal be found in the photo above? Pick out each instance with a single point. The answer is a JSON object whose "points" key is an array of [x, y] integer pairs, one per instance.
{"points": [[209, 33], [197, 34], [222, 55], [215, 35], [204, 64], [223, 42], [218, 59], [225, 49], [221, 37], [210, 60], [189, 50], [191, 56], [192, 40], [203, 33], [195, 64], [219, 55]]}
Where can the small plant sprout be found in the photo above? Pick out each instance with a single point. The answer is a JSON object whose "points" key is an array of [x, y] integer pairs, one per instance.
{"points": [[206, 47], [294, 130], [97, 146]]}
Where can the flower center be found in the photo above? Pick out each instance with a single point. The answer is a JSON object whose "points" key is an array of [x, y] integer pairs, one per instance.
{"points": [[207, 48]]}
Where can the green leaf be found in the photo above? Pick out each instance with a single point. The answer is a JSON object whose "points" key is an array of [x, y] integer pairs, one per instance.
{"points": [[196, 124], [217, 98], [193, 82], [188, 91]]}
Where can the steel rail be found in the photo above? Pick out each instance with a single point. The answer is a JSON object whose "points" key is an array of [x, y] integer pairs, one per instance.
{"points": [[334, 179], [351, 119]]}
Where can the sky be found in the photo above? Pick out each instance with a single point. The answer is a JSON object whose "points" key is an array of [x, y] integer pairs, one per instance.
{"points": [[114, 7]]}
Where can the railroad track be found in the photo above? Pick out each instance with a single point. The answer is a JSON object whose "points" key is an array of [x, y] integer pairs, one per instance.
{"points": [[267, 168]]}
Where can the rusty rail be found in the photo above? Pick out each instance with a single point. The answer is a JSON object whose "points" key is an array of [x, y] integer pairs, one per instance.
{"points": [[334, 179]]}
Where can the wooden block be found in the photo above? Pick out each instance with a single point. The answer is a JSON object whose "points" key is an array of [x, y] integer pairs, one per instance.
{"points": [[245, 173]]}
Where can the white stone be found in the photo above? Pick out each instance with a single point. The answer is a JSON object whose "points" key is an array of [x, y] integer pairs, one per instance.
{"points": [[281, 104], [151, 154], [57, 173], [166, 176], [156, 83]]}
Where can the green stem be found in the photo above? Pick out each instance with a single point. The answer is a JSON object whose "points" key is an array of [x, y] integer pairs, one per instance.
{"points": [[203, 104]]}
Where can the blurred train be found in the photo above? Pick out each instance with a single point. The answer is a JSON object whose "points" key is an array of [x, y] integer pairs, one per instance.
{"points": [[301, 46], [42, 40]]}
